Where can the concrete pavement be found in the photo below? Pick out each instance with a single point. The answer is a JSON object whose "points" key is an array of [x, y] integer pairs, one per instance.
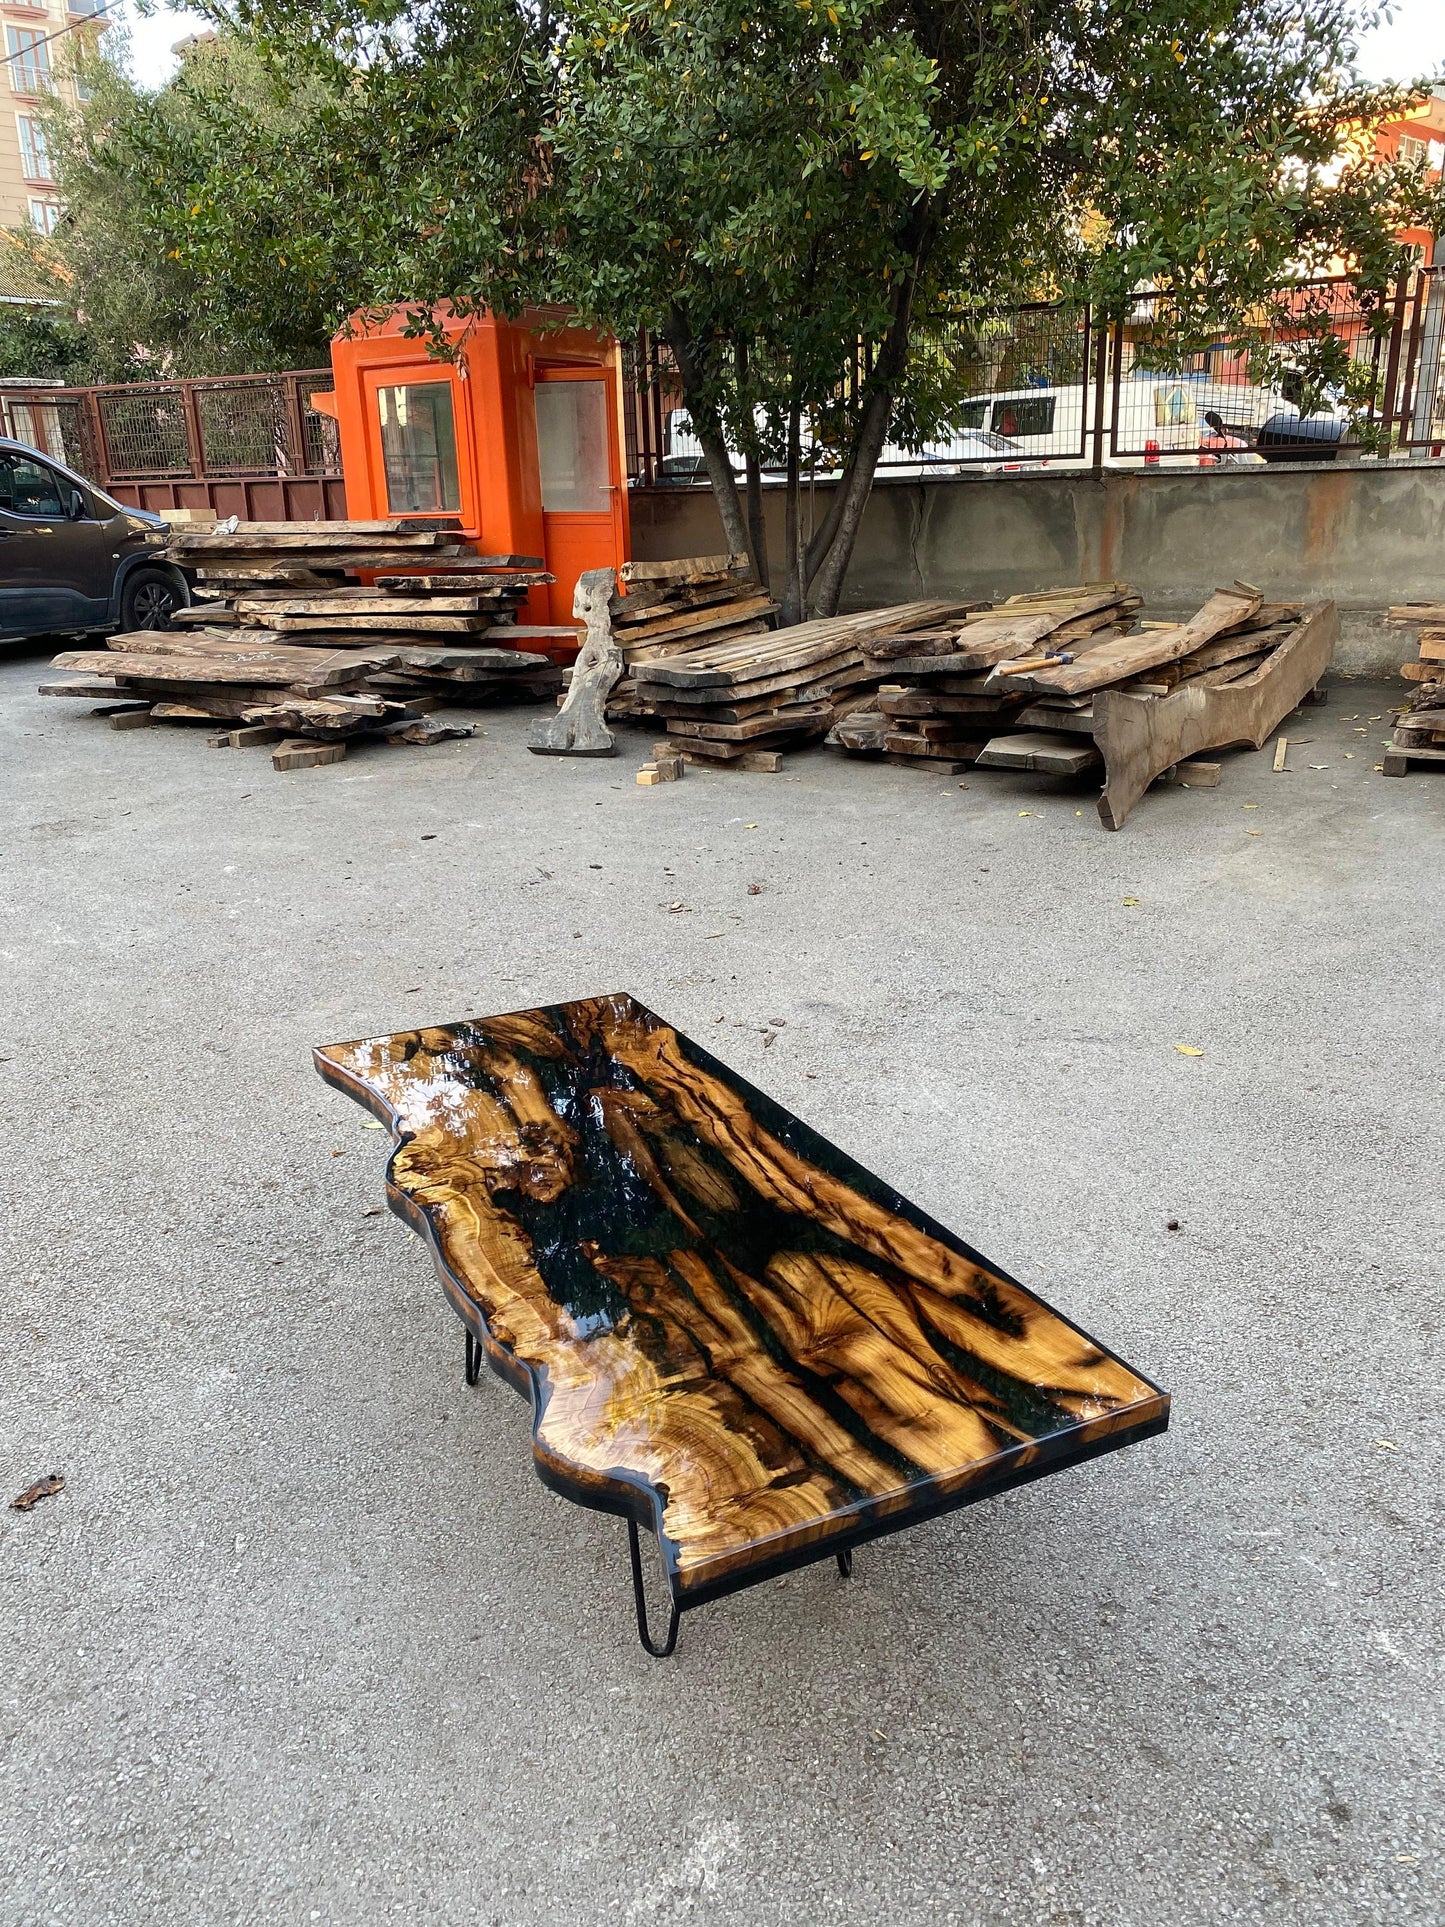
{"points": [[304, 1640]]}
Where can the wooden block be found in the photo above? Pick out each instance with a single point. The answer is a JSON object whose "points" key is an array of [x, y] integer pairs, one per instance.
{"points": [[670, 768], [87, 688], [933, 765], [219, 742], [254, 736], [132, 718], [1281, 751], [296, 753], [1394, 762], [1037, 750], [1198, 776], [648, 775], [766, 762]]}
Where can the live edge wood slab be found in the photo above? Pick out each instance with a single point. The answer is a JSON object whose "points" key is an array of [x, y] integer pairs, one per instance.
{"points": [[730, 1332]]}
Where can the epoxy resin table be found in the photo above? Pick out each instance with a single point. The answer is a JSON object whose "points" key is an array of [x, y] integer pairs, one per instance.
{"points": [[730, 1333]]}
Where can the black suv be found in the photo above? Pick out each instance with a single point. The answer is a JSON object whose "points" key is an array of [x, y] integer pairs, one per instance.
{"points": [[72, 559]]}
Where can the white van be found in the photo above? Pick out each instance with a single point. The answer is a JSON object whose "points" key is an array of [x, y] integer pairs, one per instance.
{"points": [[1167, 410]]}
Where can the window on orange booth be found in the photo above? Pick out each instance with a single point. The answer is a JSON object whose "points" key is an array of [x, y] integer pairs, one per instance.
{"points": [[419, 448], [572, 447]]}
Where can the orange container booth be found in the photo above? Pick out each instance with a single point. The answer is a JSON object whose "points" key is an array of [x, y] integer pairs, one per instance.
{"points": [[520, 437]]}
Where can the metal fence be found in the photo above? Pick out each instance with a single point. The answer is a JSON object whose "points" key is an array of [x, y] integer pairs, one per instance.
{"points": [[1042, 386], [251, 445], [1057, 386]]}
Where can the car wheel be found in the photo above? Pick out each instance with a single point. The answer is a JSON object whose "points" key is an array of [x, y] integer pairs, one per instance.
{"points": [[149, 600]]}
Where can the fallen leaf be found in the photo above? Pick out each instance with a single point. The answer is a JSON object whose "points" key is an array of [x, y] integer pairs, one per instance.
{"points": [[42, 1489], [1026, 812], [1189, 1050], [1254, 833], [1387, 1445], [371, 1211], [594, 866], [338, 1154], [431, 837], [750, 826], [769, 1037], [1249, 806], [1349, 756], [372, 1125], [755, 889], [674, 908], [1131, 903]]}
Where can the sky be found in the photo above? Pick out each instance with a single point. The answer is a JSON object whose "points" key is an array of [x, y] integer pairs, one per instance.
{"points": [[1413, 43]]}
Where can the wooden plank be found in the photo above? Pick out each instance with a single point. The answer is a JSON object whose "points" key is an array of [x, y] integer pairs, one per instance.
{"points": [[699, 622], [252, 666], [1132, 655], [804, 645], [87, 688], [961, 752], [864, 732], [1036, 749], [275, 538], [1046, 716], [1140, 736], [303, 716], [296, 752], [341, 607], [687, 569], [800, 717]]}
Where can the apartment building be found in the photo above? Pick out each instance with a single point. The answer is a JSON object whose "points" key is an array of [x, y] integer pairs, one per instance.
{"points": [[36, 61]]}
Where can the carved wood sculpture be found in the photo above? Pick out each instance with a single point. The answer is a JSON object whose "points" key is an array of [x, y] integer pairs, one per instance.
{"points": [[730, 1332], [1142, 736], [579, 728]]}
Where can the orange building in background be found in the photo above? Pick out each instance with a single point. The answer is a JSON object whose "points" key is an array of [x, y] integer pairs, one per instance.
{"points": [[1417, 134], [520, 437]]}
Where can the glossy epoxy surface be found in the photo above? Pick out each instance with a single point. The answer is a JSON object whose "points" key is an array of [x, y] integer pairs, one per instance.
{"points": [[714, 1303]]}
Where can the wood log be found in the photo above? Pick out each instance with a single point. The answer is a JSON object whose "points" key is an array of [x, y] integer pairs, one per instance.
{"points": [[579, 727], [1140, 737]]}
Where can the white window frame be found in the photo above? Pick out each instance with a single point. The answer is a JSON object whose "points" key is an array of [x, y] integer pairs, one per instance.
{"points": [[27, 54], [44, 215], [35, 160]]}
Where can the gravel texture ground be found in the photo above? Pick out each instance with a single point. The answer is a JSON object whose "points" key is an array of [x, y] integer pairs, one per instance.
{"points": [[303, 1639]]}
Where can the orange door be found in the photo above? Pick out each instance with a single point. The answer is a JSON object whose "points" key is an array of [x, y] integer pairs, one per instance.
{"points": [[584, 504]]}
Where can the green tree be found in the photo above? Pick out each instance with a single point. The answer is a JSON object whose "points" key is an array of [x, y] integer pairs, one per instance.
{"points": [[784, 190], [128, 164]]}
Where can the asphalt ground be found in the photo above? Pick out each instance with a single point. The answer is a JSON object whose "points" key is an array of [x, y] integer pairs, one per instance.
{"points": [[304, 1639]]}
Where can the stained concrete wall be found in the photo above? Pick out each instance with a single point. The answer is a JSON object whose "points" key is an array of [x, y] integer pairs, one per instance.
{"points": [[1366, 536]]}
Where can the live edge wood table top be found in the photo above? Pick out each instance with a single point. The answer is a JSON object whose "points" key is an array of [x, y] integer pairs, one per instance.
{"points": [[730, 1332]]}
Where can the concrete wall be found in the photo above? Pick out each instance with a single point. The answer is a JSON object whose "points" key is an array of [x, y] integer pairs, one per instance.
{"points": [[1364, 535]]}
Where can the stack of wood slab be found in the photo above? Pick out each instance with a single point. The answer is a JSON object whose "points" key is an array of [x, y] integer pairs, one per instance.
{"points": [[1012, 687], [298, 582], [937, 706], [287, 638], [745, 700], [667, 609], [1419, 735]]}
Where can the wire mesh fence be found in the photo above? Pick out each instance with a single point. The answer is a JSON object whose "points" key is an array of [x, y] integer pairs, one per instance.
{"points": [[1316, 372]]}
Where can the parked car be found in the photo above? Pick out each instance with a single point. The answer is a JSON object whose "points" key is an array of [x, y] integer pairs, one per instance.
{"points": [[72, 558]]}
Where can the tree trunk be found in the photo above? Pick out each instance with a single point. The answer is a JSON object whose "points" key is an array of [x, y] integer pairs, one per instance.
{"points": [[796, 590], [832, 549], [707, 426], [752, 469]]}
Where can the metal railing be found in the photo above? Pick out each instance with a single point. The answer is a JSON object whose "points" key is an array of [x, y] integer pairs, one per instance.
{"points": [[1059, 386], [249, 444]]}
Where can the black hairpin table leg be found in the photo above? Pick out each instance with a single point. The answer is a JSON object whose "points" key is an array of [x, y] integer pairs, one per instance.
{"points": [[845, 1564], [658, 1652], [472, 1368]]}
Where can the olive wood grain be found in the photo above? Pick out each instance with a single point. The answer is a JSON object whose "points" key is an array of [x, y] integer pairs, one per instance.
{"points": [[729, 1331]]}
